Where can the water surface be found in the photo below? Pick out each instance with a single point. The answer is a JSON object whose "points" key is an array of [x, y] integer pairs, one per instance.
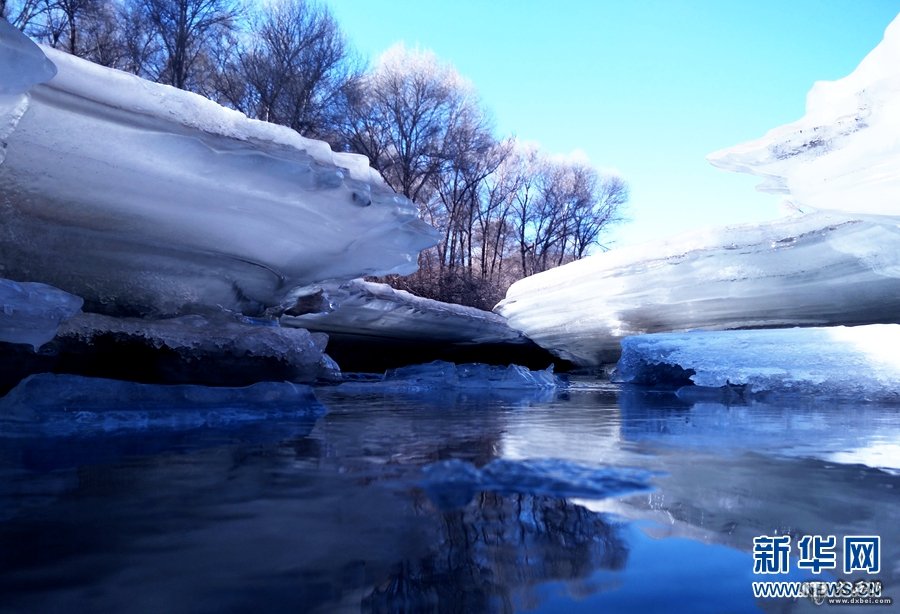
{"points": [[592, 499]]}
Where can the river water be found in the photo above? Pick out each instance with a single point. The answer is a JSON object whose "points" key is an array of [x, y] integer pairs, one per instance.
{"points": [[596, 498]]}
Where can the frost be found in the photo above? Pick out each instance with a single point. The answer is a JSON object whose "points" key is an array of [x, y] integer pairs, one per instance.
{"points": [[30, 313]]}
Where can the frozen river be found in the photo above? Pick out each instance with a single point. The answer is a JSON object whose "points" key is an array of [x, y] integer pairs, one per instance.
{"points": [[596, 498]]}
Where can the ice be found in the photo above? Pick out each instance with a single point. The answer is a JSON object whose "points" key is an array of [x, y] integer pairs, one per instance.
{"points": [[373, 327], [359, 307], [860, 362], [844, 154], [191, 349], [810, 270], [70, 405], [22, 64], [148, 200], [453, 483], [30, 313], [442, 375]]}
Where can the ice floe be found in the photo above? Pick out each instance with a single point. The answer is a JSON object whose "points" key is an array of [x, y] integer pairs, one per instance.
{"points": [[71, 405], [859, 362]]}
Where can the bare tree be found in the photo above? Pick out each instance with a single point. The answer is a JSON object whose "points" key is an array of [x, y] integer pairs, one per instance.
{"points": [[294, 71], [405, 115], [20, 13], [187, 33]]}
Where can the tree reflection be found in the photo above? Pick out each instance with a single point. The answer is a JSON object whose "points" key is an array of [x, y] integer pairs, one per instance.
{"points": [[490, 553]]}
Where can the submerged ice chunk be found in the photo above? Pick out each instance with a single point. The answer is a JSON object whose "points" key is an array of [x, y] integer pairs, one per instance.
{"points": [[859, 362], [817, 269], [30, 313], [844, 154], [148, 200], [70, 405], [474, 376], [445, 384], [453, 483]]}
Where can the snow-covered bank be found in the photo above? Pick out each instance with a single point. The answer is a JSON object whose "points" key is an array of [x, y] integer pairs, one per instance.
{"points": [[860, 362], [147, 200], [811, 270]]}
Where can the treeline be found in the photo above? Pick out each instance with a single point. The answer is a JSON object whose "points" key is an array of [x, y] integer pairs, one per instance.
{"points": [[505, 210]]}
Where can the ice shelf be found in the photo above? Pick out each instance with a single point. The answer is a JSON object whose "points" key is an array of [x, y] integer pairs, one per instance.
{"points": [[810, 270], [859, 362], [191, 349], [359, 307], [148, 200]]}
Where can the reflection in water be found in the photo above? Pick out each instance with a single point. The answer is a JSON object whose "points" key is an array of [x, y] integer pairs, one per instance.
{"points": [[335, 513], [488, 555]]}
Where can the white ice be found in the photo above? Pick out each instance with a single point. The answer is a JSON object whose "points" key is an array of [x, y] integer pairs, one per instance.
{"points": [[144, 199], [816, 269], [30, 313], [376, 310], [859, 362], [844, 154]]}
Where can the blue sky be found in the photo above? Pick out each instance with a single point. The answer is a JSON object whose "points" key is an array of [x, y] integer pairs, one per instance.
{"points": [[647, 87]]}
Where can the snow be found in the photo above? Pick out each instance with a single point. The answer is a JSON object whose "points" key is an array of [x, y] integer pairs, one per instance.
{"points": [[30, 313], [147, 200], [376, 310], [67, 405], [815, 269], [844, 154], [860, 362]]}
